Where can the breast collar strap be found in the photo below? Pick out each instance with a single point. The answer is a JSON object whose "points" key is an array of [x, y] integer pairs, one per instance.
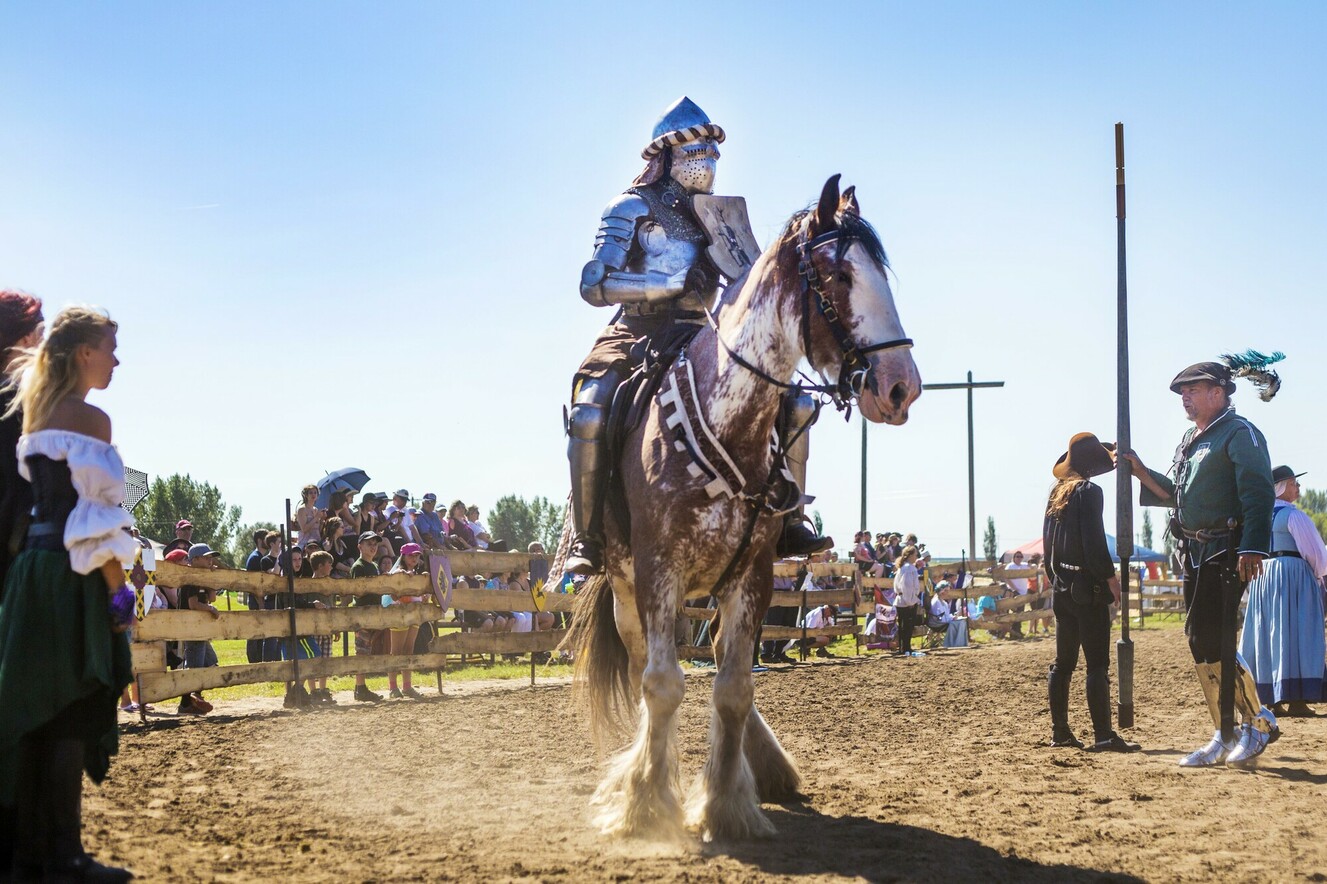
{"points": [[855, 370]]}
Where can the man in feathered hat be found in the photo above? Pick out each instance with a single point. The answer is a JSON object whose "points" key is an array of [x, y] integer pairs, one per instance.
{"points": [[1221, 497], [651, 262]]}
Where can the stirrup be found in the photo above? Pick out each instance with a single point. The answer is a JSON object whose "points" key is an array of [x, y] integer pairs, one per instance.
{"points": [[1212, 754], [586, 558]]}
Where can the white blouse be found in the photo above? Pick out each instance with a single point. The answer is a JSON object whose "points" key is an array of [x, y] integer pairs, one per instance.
{"points": [[1306, 536], [96, 532]]}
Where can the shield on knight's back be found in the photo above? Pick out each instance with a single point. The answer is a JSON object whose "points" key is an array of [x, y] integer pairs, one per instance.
{"points": [[733, 247]]}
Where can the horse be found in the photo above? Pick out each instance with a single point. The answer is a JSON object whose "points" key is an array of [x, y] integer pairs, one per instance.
{"points": [[820, 292]]}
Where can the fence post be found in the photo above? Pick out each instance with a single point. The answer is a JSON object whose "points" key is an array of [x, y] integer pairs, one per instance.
{"points": [[802, 574], [292, 642]]}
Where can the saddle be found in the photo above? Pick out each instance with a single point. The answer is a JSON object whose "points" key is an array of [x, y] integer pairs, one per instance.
{"points": [[652, 355]]}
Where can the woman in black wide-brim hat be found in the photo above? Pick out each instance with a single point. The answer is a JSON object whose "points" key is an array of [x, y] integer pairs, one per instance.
{"points": [[1083, 576]]}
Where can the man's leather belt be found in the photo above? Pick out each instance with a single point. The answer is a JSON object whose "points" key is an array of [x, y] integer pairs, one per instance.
{"points": [[1204, 535], [1290, 553]]}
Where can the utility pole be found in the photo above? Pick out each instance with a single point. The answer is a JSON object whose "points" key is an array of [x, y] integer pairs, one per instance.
{"points": [[970, 385]]}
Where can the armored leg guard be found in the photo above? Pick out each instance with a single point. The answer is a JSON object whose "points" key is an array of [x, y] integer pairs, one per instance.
{"points": [[1215, 751], [799, 413], [1258, 727], [1209, 677], [587, 425]]}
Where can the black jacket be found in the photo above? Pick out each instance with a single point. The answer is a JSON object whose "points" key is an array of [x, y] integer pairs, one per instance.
{"points": [[1077, 539]]}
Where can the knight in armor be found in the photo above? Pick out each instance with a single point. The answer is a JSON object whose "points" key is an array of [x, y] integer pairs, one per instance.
{"points": [[650, 262]]}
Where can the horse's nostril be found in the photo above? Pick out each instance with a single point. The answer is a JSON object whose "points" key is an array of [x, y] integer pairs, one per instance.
{"points": [[898, 394]]}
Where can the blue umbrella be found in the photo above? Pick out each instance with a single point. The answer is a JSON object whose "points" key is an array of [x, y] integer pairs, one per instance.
{"points": [[349, 479]]}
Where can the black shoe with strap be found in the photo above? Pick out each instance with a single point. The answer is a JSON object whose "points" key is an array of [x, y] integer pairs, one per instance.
{"points": [[1114, 743], [586, 558], [798, 539]]}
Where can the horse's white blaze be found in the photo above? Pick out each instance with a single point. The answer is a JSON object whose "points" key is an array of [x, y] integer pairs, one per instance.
{"points": [[874, 317]]}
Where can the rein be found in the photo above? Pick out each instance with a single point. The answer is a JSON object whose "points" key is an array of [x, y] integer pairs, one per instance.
{"points": [[854, 370]]}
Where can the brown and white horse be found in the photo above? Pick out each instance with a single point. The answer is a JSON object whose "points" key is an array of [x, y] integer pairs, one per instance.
{"points": [[682, 542]]}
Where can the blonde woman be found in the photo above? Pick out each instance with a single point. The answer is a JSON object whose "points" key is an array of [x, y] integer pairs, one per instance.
{"points": [[908, 589], [308, 518], [64, 657]]}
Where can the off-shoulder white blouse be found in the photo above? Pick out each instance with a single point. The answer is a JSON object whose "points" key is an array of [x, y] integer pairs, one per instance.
{"points": [[96, 531]]}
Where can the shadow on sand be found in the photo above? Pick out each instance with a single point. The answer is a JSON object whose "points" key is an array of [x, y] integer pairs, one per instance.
{"points": [[858, 847]]}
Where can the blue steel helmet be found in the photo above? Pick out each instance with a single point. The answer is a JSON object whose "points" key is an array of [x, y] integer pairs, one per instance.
{"points": [[684, 121]]}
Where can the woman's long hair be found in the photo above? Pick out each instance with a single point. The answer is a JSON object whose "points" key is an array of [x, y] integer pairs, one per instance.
{"points": [[47, 374], [908, 552], [1060, 494]]}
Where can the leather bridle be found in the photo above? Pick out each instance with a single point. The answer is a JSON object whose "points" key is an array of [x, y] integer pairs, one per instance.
{"points": [[855, 369]]}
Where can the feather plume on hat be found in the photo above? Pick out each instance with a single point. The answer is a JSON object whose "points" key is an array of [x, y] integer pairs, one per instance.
{"points": [[1254, 366]]}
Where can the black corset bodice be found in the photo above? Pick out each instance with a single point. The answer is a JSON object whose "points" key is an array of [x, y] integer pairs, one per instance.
{"points": [[54, 499]]}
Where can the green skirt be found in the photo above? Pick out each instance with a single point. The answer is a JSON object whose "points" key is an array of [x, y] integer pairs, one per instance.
{"points": [[62, 668]]}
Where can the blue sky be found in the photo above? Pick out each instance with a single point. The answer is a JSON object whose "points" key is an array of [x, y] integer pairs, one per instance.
{"points": [[350, 234]]}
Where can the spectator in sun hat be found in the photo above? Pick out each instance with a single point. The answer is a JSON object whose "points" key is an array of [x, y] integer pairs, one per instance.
{"points": [[184, 532]]}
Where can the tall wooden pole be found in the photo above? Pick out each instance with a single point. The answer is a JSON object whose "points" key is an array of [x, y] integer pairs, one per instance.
{"points": [[1123, 473], [862, 527]]}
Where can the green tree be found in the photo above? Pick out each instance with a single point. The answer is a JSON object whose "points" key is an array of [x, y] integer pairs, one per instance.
{"points": [[989, 544], [818, 522], [519, 522], [180, 497], [242, 543], [1314, 503], [1147, 529]]}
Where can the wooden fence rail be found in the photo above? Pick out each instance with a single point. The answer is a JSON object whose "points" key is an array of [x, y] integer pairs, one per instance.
{"points": [[152, 634]]}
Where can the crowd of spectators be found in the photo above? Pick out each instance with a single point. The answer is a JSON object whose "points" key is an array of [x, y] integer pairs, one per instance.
{"points": [[382, 535], [386, 534]]}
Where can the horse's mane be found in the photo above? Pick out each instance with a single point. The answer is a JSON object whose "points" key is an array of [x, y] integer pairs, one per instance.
{"points": [[854, 226]]}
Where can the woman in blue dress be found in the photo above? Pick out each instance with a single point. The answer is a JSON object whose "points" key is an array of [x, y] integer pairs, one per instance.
{"points": [[1283, 642]]}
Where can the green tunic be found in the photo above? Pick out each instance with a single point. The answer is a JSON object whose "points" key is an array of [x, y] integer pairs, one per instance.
{"points": [[1221, 473]]}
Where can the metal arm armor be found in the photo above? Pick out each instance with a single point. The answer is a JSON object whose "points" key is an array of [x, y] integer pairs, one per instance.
{"points": [[603, 281]]}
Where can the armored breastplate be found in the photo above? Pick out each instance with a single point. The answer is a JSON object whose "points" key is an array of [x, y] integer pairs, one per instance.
{"points": [[54, 499], [672, 240]]}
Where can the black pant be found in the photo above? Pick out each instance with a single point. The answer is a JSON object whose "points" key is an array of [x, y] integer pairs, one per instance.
{"points": [[907, 619], [1087, 627], [778, 616], [1203, 594]]}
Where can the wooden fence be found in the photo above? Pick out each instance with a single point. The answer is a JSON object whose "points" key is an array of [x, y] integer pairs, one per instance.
{"points": [[152, 634], [853, 601]]}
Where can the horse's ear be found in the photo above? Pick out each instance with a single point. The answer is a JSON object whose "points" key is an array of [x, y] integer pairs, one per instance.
{"points": [[823, 219], [848, 202]]}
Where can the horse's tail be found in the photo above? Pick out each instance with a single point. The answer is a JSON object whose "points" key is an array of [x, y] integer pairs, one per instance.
{"points": [[602, 676]]}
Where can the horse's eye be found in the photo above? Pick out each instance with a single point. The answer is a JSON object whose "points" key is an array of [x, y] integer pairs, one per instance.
{"points": [[843, 277]]}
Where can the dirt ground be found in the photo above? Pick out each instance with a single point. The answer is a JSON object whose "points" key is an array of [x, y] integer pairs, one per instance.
{"points": [[916, 770]]}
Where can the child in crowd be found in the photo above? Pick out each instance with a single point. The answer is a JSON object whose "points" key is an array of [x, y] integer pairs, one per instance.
{"points": [[364, 567], [403, 637], [322, 563]]}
